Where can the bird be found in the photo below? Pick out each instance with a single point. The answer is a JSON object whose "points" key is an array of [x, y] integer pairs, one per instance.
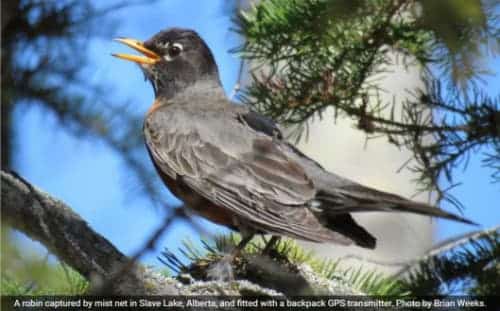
{"points": [[233, 166]]}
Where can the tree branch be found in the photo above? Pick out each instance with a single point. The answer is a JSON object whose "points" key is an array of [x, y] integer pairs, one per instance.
{"points": [[70, 238]]}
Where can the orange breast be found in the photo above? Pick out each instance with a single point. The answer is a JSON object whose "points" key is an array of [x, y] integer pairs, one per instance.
{"points": [[197, 203], [156, 104]]}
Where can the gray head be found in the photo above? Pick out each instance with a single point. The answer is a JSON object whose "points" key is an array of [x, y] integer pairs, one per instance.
{"points": [[174, 60]]}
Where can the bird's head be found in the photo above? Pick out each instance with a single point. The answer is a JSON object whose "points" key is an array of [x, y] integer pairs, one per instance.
{"points": [[174, 60]]}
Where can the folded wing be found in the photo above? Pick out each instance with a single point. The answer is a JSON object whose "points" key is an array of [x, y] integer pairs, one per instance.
{"points": [[237, 168]]}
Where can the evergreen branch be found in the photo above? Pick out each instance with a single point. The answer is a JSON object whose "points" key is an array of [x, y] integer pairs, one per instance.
{"points": [[467, 265]]}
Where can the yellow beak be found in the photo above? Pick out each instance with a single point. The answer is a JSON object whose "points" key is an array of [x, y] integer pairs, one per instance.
{"points": [[149, 57]]}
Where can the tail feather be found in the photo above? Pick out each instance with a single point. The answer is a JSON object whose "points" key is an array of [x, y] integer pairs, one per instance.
{"points": [[356, 198], [347, 226]]}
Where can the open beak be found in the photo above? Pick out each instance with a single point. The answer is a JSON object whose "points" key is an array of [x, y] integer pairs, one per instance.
{"points": [[149, 57]]}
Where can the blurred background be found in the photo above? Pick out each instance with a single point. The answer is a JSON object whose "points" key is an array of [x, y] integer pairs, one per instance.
{"points": [[72, 118]]}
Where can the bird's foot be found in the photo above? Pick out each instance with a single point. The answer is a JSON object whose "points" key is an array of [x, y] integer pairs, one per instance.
{"points": [[222, 270]]}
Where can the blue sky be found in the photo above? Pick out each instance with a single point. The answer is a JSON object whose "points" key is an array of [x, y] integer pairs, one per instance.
{"points": [[88, 175]]}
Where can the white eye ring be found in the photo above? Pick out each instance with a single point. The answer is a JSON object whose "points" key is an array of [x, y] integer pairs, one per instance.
{"points": [[178, 45], [173, 51]]}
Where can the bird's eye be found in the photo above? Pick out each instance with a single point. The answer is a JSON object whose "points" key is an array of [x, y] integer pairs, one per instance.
{"points": [[174, 50]]}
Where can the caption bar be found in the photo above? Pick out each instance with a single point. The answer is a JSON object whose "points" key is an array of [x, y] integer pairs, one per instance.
{"points": [[248, 303]]}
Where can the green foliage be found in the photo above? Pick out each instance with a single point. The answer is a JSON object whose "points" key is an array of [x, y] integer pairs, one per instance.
{"points": [[313, 59], [311, 55], [374, 283], [27, 273], [59, 280]]}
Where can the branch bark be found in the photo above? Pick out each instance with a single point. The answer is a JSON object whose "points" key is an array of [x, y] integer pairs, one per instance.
{"points": [[54, 224]]}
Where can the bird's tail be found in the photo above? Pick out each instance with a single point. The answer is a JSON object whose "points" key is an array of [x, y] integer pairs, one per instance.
{"points": [[347, 226], [357, 198]]}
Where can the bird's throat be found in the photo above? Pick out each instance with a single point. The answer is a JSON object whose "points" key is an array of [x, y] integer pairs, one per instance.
{"points": [[199, 91]]}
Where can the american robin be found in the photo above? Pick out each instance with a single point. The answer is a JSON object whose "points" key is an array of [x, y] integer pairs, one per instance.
{"points": [[232, 166]]}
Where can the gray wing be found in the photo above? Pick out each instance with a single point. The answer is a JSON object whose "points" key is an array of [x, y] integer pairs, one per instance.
{"points": [[241, 169]]}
